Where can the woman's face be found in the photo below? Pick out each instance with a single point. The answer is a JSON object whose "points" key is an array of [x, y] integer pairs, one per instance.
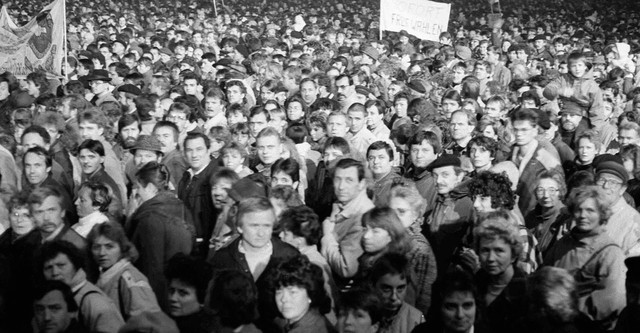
{"points": [[105, 252], [21, 221], [587, 216], [282, 178], [403, 209], [458, 311], [586, 151], [355, 321], [547, 193], [84, 204], [183, 299], [293, 302], [375, 239], [495, 255]]}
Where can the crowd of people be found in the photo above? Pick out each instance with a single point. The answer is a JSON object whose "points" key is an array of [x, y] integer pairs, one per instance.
{"points": [[285, 166]]}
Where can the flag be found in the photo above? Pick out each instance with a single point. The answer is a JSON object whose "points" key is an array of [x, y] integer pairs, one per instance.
{"points": [[38, 45]]}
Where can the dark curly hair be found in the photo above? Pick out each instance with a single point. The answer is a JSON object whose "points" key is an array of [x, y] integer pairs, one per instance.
{"points": [[496, 186], [191, 271], [300, 272], [489, 144], [302, 221]]}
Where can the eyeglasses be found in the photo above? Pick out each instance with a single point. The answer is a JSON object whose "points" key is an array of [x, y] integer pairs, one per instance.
{"points": [[550, 190], [608, 183]]}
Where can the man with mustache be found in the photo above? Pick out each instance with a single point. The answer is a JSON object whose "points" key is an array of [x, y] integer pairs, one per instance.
{"points": [[572, 123]]}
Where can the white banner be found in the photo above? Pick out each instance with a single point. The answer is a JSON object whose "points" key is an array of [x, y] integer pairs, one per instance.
{"points": [[423, 19], [38, 45]]}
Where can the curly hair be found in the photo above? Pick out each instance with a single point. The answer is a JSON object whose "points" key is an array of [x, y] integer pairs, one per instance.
{"points": [[579, 194], [99, 195], [298, 271], [489, 144], [499, 225], [191, 271], [302, 221], [494, 185]]}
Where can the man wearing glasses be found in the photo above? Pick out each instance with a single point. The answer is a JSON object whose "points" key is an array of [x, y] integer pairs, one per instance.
{"points": [[623, 226]]}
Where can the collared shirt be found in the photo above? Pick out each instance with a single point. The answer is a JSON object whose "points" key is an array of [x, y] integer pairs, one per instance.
{"points": [[257, 261]]}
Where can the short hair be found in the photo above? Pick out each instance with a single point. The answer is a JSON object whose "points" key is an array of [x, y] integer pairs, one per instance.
{"points": [[93, 116], [576, 56], [240, 128], [269, 131], [192, 271], [557, 177], [224, 173], [114, 232], [41, 131], [93, 146], [154, 173], [298, 271], [499, 224], [579, 194], [234, 297], [52, 249], [220, 133], [44, 288], [197, 135], [40, 151], [289, 166], [494, 185], [381, 145], [338, 143], [523, 114], [39, 79], [234, 146], [348, 162], [51, 118], [169, 124], [390, 263], [180, 108], [361, 298], [253, 205], [499, 100], [99, 195], [592, 136], [552, 291], [432, 139], [303, 222], [41, 193], [629, 126], [457, 281], [471, 117], [387, 219], [18, 200], [256, 110], [127, 120]]}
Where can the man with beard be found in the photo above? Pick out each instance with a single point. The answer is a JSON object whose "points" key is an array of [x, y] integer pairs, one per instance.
{"points": [[572, 123], [167, 133], [128, 132]]}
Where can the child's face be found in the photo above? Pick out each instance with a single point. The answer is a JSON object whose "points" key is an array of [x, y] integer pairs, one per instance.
{"points": [[232, 159], [241, 138], [317, 133], [578, 68]]}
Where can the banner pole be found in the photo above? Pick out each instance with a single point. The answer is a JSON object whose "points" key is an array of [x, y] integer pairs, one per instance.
{"points": [[66, 52], [215, 8]]}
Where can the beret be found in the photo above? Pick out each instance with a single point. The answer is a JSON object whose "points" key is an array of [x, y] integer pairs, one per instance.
{"points": [[296, 34], [443, 161], [571, 107]]}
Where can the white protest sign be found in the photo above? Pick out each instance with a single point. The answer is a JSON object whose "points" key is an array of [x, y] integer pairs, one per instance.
{"points": [[423, 19]]}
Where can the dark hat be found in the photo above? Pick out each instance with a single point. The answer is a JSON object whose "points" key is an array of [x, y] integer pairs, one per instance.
{"points": [[238, 68], [223, 62], [540, 37], [296, 34], [443, 161], [633, 269], [147, 142], [404, 33], [130, 88], [612, 168], [247, 188], [371, 52], [606, 158], [571, 107], [121, 41], [157, 322], [99, 74], [417, 85], [344, 49]]}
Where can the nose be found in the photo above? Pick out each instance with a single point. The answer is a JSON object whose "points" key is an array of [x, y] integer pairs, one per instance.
{"points": [[173, 296], [47, 315]]}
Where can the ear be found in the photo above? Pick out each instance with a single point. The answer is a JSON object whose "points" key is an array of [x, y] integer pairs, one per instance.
{"points": [[101, 159], [48, 169]]}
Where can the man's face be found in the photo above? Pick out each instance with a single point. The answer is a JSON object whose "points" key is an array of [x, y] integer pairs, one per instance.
{"points": [[90, 131], [539, 44], [344, 90], [570, 121], [178, 118], [295, 111], [51, 313], [374, 118], [525, 132], [213, 106], [309, 92], [628, 137], [578, 68], [31, 140], [392, 288], [269, 149], [90, 162], [60, 269], [357, 121], [129, 134], [190, 86], [48, 215], [522, 55], [32, 89], [143, 156], [460, 127], [167, 139], [337, 126], [98, 87], [458, 74], [257, 123], [480, 72], [35, 168], [480, 156], [380, 162], [493, 110], [446, 179], [196, 153], [458, 311], [256, 228], [347, 184]]}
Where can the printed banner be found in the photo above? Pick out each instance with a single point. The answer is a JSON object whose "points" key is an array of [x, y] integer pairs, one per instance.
{"points": [[38, 45], [423, 19]]}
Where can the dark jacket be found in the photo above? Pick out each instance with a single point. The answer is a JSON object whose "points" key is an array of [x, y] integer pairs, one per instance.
{"points": [[501, 315], [229, 257], [195, 192], [425, 183], [159, 230]]}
